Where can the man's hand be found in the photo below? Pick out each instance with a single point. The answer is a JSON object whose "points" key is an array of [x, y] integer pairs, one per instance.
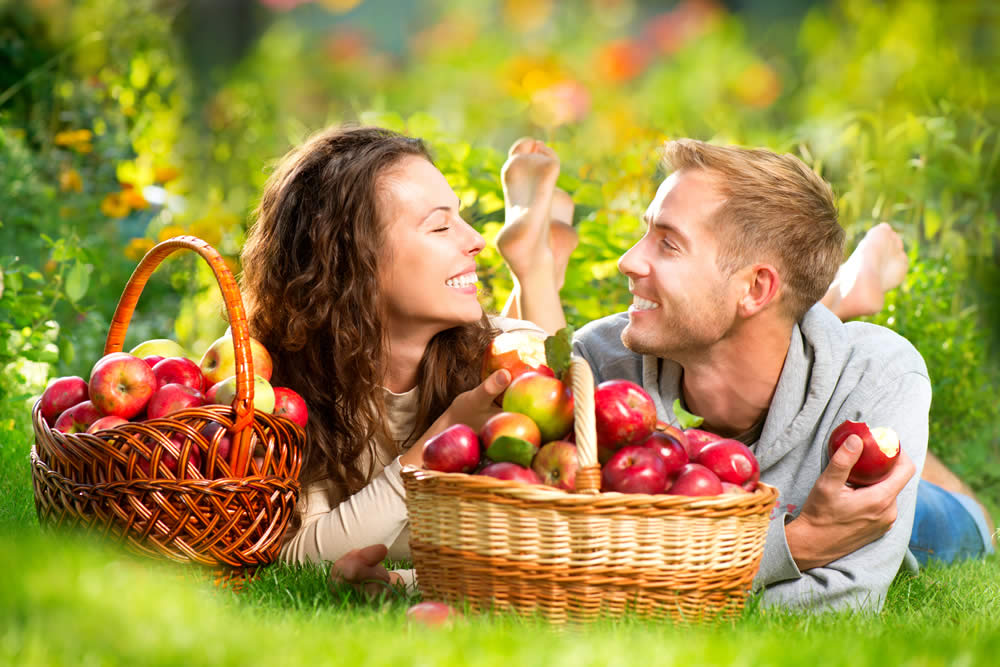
{"points": [[471, 408], [363, 569], [837, 519]]}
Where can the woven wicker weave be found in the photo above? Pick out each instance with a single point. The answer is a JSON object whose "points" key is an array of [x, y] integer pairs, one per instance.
{"points": [[223, 513], [579, 556]]}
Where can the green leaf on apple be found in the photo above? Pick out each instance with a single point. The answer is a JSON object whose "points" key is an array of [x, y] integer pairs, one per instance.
{"points": [[558, 348], [685, 418]]}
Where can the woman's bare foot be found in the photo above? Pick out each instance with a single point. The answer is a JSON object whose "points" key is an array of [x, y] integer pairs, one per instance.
{"points": [[876, 266], [529, 180], [563, 238]]}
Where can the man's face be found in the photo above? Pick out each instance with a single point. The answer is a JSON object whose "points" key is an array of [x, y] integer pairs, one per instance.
{"points": [[682, 304]]}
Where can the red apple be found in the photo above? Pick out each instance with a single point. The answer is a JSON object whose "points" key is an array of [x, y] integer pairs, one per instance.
{"points": [[697, 440], [511, 472], [121, 385], [510, 424], [675, 433], [287, 403], [624, 414], [169, 461], [735, 489], [106, 422], [880, 451], [211, 431], [60, 395], [432, 613], [695, 479], [731, 461], [556, 463], [178, 370], [545, 399], [670, 450], [153, 359], [455, 449], [634, 469], [78, 418], [170, 398]]}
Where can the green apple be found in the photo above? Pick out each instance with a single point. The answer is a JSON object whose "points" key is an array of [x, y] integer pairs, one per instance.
{"points": [[158, 347], [224, 393], [219, 360]]}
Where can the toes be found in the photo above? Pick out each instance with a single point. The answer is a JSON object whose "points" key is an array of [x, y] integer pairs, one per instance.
{"points": [[522, 145]]}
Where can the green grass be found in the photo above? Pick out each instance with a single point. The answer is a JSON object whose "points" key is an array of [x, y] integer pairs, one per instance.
{"points": [[68, 600]]}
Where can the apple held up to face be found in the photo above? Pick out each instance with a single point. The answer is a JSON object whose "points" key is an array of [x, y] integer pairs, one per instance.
{"points": [[219, 360], [121, 385], [634, 469], [170, 398], [556, 464], [695, 479], [517, 351], [880, 451], [546, 400], [224, 393], [78, 418], [732, 462], [60, 395], [624, 414], [288, 404], [178, 370], [455, 449], [511, 472]]}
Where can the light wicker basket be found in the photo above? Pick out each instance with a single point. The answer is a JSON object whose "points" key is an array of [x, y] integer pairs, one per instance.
{"points": [[505, 546], [227, 513]]}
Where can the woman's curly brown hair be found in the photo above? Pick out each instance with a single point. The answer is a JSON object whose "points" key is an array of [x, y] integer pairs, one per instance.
{"points": [[310, 263]]}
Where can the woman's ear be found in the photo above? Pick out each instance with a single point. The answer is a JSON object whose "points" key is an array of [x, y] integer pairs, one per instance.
{"points": [[762, 284]]}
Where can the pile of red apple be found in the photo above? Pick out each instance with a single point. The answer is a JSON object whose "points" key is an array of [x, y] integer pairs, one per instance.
{"points": [[155, 380], [531, 441]]}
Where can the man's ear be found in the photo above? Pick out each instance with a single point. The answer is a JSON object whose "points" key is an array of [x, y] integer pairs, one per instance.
{"points": [[762, 285]]}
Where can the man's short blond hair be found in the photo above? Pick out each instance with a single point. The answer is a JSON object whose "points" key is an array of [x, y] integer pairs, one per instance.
{"points": [[776, 210]]}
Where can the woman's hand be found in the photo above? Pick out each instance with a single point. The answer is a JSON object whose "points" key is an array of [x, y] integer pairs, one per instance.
{"points": [[471, 408], [363, 569]]}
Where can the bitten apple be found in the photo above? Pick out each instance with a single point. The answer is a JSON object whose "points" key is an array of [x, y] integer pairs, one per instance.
{"points": [[60, 395], [121, 385], [624, 414], [634, 469], [219, 360], [732, 462], [880, 451], [545, 399], [287, 403], [78, 418], [556, 463], [517, 351], [455, 449]]}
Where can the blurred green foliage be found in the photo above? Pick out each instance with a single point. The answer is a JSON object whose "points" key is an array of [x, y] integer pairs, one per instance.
{"points": [[125, 122]]}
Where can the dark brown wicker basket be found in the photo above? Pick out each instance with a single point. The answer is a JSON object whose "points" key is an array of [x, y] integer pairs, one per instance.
{"points": [[225, 512]]}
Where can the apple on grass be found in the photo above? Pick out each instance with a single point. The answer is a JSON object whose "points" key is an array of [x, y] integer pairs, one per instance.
{"points": [[546, 400], [455, 449], [880, 451], [106, 422], [78, 418], [219, 360], [517, 351], [224, 393], [556, 463], [732, 462], [634, 469], [624, 414], [432, 613], [695, 479], [511, 472], [170, 398], [121, 385], [60, 395], [287, 403], [178, 370]]}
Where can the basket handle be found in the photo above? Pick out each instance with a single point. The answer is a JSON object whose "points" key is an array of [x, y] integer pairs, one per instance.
{"points": [[581, 381], [240, 455]]}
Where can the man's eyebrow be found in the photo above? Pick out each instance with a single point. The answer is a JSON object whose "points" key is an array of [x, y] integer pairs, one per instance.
{"points": [[662, 225]]}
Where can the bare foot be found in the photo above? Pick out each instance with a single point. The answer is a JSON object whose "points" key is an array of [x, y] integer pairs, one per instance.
{"points": [[876, 266], [563, 238], [529, 179]]}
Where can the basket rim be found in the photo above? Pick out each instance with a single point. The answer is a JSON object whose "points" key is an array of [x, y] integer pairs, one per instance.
{"points": [[765, 493]]}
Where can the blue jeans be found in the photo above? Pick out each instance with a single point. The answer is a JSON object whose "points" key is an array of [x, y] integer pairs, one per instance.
{"points": [[947, 526]]}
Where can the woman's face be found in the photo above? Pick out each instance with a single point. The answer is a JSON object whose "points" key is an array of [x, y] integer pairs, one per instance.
{"points": [[427, 277]]}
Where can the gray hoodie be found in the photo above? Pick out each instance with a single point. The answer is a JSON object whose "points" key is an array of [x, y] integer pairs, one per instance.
{"points": [[833, 371]]}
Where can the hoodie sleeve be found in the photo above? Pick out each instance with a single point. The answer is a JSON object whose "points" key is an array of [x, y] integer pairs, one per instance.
{"points": [[860, 579]]}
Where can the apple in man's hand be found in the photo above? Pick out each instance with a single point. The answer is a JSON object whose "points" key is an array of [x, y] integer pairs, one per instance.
{"points": [[556, 463], [880, 451], [455, 449], [634, 469], [78, 418], [624, 414], [60, 395], [731, 461], [288, 403], [121, 385], [219, 360], [178, 370], [546, 400]]}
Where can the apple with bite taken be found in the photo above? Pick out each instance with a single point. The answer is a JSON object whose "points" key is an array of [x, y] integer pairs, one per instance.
{"points": [[556, 463], [695, 479], [78, 418], [60, 395], [624, 414], [880, 451], [517, 351], [634, 469], [455, 449], [732, 462], [121, 385], [546, 400]]}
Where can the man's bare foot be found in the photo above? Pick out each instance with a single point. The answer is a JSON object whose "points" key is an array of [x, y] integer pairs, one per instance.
{"points": [[563, 238], [529, 180], [876, 266]]}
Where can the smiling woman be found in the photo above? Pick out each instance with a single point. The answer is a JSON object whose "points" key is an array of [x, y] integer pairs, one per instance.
{"points": [[359, 278]]}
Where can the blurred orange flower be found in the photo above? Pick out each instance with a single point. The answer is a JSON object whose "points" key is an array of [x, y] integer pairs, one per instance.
{"points": [[137, 248], [169, 232], [114, 205], [134, 199], [77, 140], [165, 174], [622, 60], [758, 86], [70, 181]]}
